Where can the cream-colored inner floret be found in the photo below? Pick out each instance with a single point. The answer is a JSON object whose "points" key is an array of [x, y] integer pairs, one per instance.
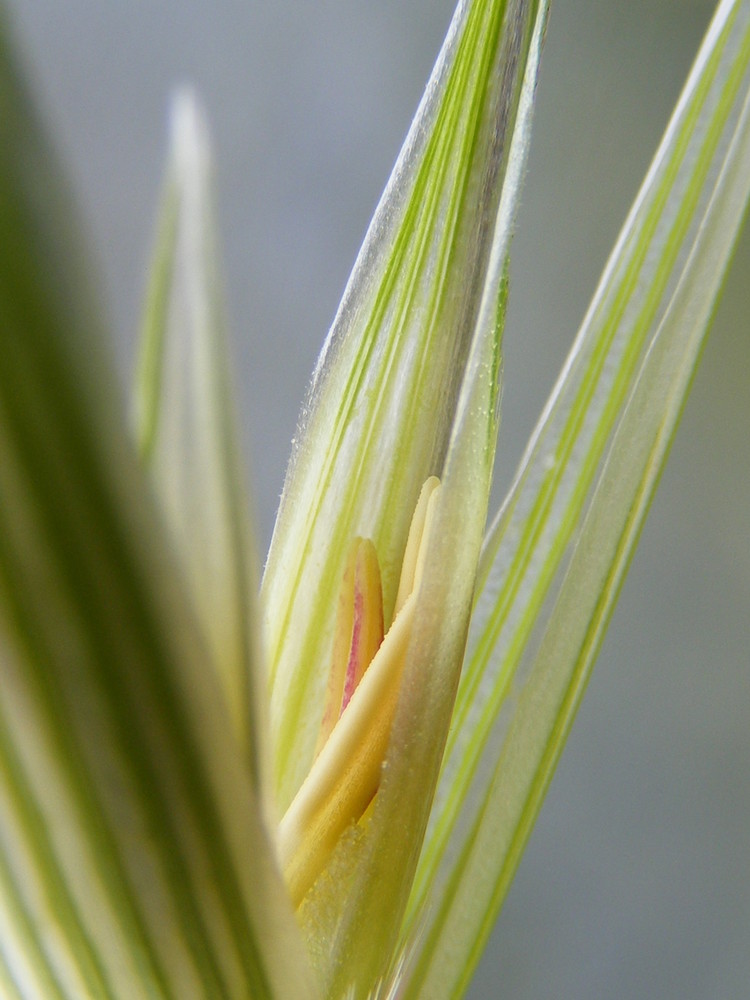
{"points": [[361, 701]]}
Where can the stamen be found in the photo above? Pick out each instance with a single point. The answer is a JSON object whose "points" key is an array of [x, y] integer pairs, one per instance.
{"points": [[358, 632], [346, 773]]}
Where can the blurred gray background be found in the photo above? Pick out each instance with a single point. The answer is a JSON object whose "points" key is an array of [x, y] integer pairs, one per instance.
{"points": [[636, 883]]}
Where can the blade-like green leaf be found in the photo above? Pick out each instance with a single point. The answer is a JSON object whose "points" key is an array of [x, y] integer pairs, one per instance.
{"points": [[556, 555], [383, 400], [133, 857], [484, 87], [186, 426]]}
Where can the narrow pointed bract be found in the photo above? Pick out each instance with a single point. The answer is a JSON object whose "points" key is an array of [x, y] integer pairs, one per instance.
{"points": [[383, 399], [408, 386], [186, 428], [556, 554]]}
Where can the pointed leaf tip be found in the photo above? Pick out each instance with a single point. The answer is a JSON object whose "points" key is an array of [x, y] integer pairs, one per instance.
{"points": [[188, 428], [407, 387]]}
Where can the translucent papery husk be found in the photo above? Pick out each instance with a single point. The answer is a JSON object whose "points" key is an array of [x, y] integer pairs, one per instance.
{"points": [[383, 399], [352, 916]]}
